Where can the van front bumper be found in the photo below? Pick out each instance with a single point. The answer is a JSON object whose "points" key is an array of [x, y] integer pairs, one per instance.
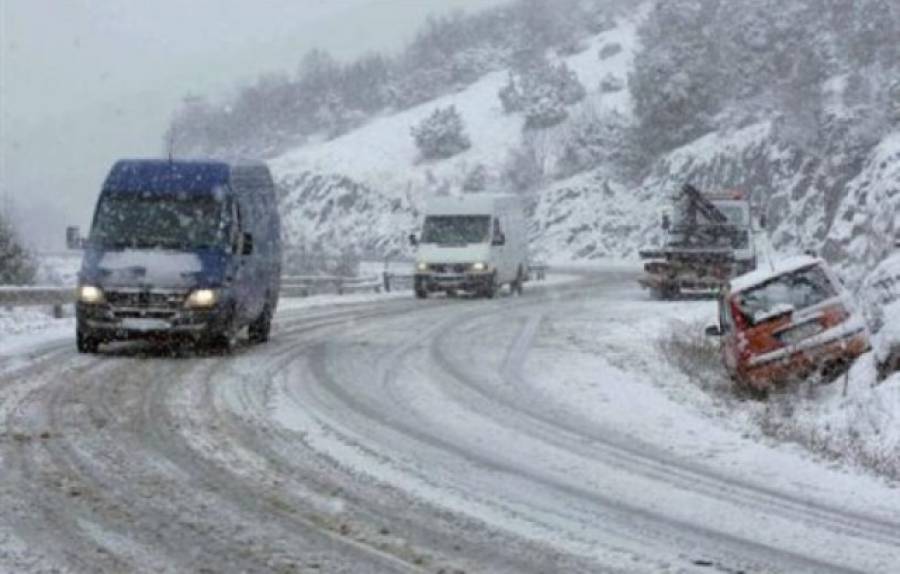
{"points": [[108, 322], [434, 282]]}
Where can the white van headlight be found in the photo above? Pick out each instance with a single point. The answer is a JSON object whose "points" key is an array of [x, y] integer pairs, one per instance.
{"points": [[202, 298], [480, 266], [90, 294], [421, 266]]}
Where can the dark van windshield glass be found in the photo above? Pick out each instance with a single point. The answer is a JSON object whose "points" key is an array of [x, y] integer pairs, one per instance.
{"points": [[456, 229], [161, 222], [789, 292]]}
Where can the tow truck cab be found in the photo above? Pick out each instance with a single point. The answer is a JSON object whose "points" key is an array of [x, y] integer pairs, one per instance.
{"points": [[180, 249]]}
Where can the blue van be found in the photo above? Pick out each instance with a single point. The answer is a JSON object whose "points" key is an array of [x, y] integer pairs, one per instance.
{"points": [[186, 249]]}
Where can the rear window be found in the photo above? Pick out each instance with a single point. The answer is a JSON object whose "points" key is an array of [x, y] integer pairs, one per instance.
{"points": [[785, 293]]}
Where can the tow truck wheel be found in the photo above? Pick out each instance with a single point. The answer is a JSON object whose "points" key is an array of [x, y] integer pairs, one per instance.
{"points": [[86, 343], [490, 289]]}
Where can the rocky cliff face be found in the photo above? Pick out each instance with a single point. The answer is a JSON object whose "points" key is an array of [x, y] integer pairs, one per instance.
{"points": [[853, 219], [867, 226], [336, 214]]}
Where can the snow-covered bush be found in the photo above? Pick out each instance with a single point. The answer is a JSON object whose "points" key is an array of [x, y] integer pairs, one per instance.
{"points": [[510, 97], [611, 83], [441, 135], [593, 139], [609, 50], [688, 349], [570, 88], [527, 167], [476, 179], [16, 264], [542, 90], [571, 46], [544, 109]]}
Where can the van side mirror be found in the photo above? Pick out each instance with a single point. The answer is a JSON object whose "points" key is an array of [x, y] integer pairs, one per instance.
{"points": [[665, 222], [247, 244], [413, 240], [499, 240], [74, 240], [713, 331], [762, 221]]}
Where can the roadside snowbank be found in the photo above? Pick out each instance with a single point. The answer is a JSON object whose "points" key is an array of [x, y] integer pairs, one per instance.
{"points": [[23, 327], [851, 419]]}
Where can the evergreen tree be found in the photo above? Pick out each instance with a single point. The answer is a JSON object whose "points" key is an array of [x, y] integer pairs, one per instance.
{"points": [[16, 264], [441, 135]]}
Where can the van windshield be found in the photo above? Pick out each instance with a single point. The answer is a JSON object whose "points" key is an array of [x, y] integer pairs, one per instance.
{"points": [[456, 229], [789, 292], [162, 222]]}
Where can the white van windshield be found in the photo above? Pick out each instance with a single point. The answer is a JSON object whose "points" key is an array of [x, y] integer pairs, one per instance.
{"points": [[456, 229]]}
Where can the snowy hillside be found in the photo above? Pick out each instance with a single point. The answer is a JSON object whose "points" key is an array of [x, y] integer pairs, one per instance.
{"points": [[363, 191], [330, 186]]}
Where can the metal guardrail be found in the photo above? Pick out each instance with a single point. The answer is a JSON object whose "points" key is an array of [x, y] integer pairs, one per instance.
{"points": [[538, 271], [36, 296], [296, 286], [291, 286], [391, 281], [306, 285]]}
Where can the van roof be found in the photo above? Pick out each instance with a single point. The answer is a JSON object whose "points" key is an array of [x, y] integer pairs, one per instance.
{"points": [[160, 175], [471, 204]]}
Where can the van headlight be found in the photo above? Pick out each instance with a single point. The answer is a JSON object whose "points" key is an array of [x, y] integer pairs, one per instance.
{"points": [[90, 294], [480, 266], [421, 266], [200, 298]]}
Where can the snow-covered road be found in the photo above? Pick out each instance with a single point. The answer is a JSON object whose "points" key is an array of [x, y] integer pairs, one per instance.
{"points": [[532, 434]]}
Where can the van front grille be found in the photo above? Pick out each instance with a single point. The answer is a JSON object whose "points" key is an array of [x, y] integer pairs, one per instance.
{"points": [[457, 268], [133, 299]]}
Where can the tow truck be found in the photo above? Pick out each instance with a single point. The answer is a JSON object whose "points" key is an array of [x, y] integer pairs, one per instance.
{"points": [[709, 240]]}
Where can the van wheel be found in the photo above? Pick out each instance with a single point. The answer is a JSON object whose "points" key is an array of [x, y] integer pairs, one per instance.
{"points": [[421, 294], [85, 343], [221, 342], [260, 329], [490, 290]]}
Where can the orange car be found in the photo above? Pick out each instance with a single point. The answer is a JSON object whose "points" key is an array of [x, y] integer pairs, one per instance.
{"points": [[787, 323]]}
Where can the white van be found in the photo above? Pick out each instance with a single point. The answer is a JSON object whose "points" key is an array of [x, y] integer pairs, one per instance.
{"points": [[475, 243]]}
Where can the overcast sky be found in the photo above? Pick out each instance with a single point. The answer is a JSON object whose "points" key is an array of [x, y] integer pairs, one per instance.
{"points": [[85, 82]]}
